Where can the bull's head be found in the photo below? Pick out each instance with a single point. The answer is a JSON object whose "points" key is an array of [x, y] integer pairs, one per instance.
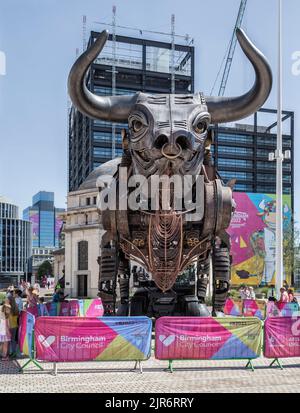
{"points": [[167, 133]]}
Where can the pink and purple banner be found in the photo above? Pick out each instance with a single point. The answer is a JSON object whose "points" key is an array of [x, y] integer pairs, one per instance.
{"points": [[282, 337], [277, 309], [254, 308], [246, 308], [76, 308], [233, 307], [85, 339], [207, 338]]}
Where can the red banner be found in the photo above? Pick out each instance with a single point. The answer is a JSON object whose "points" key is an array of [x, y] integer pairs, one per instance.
{"points": [[282, 337]]}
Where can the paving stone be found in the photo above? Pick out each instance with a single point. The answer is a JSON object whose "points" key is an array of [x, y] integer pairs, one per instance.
{"points": [[118, 377]]}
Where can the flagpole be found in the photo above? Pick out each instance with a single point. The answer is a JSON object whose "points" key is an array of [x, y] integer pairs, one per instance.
{"points": [[279, 160]]}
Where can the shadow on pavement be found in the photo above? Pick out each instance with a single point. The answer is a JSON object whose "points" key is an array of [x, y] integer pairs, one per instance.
{"points": [[9, 367]]}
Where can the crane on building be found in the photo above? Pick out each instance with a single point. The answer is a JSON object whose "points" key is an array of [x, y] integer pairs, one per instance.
{"points": [[232, 48]]}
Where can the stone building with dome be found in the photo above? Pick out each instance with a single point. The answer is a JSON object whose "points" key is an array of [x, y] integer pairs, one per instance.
{"points": [[83, 234]]}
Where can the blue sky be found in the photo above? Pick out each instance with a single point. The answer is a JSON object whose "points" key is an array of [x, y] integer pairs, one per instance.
{"points": [[40, 37]]}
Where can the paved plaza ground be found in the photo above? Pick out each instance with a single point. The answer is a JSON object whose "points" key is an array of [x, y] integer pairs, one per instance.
{"points": [[188, 377]]}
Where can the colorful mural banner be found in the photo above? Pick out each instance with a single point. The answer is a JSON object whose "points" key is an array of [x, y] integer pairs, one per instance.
{"points": [[233, 307], [277, 309], [34, 218], [76, 308], [282, 337], [252, 233], [254, 308], [86, 339], [26, 327], [208, 338]]}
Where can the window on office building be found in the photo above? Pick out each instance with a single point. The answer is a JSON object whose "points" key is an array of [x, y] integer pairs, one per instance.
{"points": [[82, 255]]}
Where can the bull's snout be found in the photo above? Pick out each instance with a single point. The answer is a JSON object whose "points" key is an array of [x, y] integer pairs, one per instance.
{"points": [[171, 150]]}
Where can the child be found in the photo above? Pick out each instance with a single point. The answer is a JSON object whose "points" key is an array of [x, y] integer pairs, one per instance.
{"points": [[13, 324], [5, 336]]}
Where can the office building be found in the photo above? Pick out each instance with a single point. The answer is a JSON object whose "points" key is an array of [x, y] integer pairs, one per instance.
{"points": [[46, 220], [15, 244], [241, 152]]}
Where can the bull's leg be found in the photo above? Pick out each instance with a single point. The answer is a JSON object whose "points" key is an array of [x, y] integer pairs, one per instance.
{"points": [[108, 264], [221, 276], [202, 279], [124, 278]]}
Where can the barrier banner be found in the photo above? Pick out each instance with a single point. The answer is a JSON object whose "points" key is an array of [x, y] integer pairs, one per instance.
{"points": [[208, 338], [83, 339], [64, 309], [233, 307], [253, 308], [33, 310], [53, 309], [282, 337], [277, 309], [93, 308], [26, 325], [74, 308]]}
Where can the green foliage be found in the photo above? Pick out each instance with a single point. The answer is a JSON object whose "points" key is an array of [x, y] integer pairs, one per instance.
{"points": [[208, 301], [2, 297], [45, 269], [234, 293], [264, 290]]}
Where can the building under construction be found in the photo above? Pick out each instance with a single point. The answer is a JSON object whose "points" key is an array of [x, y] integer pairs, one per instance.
{"points": [[126, 65]]}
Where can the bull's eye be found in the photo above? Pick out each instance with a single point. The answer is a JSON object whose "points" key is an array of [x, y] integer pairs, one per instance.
{"points": [[200, 127], [137, 125], [201, 122]]}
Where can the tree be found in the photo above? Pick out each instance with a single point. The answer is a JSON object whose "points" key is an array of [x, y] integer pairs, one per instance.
{"points": [[45, 269], [291, 248]]}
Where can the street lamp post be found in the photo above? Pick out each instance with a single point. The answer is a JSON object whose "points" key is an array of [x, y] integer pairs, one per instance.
{"points": [[279, 159]]}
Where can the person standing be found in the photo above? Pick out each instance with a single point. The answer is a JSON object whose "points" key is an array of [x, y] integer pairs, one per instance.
{"points": [[18, 299], [32, 298], [42, 308], [13, 323], [292, 298], [284, 297], [5, 336], [252, 293]]}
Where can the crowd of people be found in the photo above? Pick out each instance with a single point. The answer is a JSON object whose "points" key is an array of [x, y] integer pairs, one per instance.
{"points": [[16, 299], [286, 294], [247, 292]]}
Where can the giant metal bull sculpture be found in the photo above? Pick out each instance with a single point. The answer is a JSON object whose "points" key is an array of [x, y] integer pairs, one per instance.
{"points": [[168, 135]]}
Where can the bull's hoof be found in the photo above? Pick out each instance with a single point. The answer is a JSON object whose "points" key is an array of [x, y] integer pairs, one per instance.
{"points": [[216, 313]]}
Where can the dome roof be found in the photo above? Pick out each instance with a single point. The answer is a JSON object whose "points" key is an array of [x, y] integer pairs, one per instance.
{"points": [[108, 168]]}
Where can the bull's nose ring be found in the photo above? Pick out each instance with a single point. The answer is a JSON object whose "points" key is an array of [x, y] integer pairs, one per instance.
{"points": [[171, 156]]}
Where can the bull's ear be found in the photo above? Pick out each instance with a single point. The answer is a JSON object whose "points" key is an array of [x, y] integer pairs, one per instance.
{"points": [[125, 142]]}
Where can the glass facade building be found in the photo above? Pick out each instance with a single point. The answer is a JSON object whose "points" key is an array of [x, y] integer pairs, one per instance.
{"points": [[15, 244], [241, 152], [141, 65], [45, 219]]}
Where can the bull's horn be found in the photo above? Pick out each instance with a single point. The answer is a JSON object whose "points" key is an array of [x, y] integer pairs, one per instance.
{"points": [[111, 108], [228, 109]]}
